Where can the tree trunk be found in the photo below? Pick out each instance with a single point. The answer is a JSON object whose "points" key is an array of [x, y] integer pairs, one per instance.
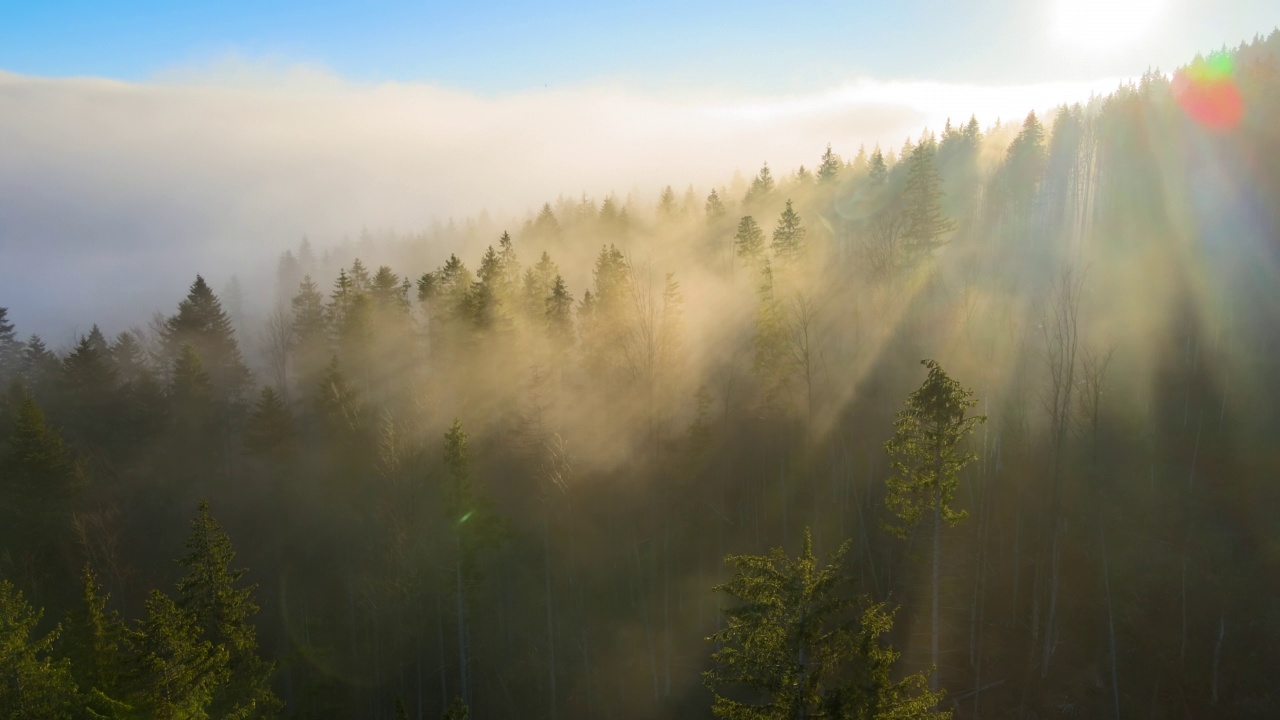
{"points": [[937, 567]]}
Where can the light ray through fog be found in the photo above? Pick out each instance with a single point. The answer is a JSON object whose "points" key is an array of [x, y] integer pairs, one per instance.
{"points": [[200, 170]]}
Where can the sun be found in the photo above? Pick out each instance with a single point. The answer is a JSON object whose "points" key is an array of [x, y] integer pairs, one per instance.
{"points": [[1103, 25]]}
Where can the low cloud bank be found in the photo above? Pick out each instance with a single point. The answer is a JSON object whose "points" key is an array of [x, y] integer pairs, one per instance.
{"points": [[113, 195]]}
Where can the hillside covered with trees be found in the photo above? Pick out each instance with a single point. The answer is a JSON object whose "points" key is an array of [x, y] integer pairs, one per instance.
{"points": [[682, 459]]}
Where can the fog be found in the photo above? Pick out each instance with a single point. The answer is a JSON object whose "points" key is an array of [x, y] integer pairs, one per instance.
{"points": [[114, 193]]}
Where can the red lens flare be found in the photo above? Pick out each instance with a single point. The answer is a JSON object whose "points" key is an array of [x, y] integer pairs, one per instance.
{"points": [[1207, 92]]}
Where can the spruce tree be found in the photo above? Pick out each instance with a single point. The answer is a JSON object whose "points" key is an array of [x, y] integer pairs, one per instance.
{"points": [[926, 459], [310, 333], [788, 237], [95, 646], [748, 242], [559, 315], [829, 170], [795, 646], [174, 672], [715, 207], [38, 482], [32, 683], [761, 187], [223, 613], [202, 323], [10, 349], [926, 222], [270, 433]]}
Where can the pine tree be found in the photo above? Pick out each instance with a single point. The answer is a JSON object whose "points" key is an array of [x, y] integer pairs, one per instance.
{"points": [[667, 209], [191, 401], [879, 171], [32, 683], [761, 187], [40, 369], [95, 646], [309, 333], [926, 459], [794, 647], [270, 433], [715, 207], [457, 710], [546, 226], [10, 350], [559, 314], [38, 482], [788, 237], [174, 672], [829, 170], [926, 222], [202, 323], [223, 612], [88, 384], [748, 242]]}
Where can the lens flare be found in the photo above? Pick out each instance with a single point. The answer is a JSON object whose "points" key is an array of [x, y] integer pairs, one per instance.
{"points": [[1207, 92]]}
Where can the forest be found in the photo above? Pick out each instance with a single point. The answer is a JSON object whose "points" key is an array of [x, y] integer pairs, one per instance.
{"points": [[976, 427]]}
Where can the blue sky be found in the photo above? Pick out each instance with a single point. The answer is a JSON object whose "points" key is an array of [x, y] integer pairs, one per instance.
{"points": [[494, 47]]}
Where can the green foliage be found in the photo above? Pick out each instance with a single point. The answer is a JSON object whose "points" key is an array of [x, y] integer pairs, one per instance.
{"points": [[32, 683], [202, 323], [270, 433], [175, 672], [829, 169], [95, 641], [715, 208], [748, 242], [222, 612], [924, 451], [925, 221], [457, 710], [788, 237], [761, 187], [794, 646]]}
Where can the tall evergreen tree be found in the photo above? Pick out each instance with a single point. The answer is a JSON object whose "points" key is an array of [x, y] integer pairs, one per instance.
{"points": [[761, 187], [38, 483], [715, 208], [748, 242], [95, 646], [788, 238], [202, 323], [926, 459], [829, 169], [10, 349], [174, 671], [794, 647], [926, 223], [270, 432], [32, 683], [223, 612]]}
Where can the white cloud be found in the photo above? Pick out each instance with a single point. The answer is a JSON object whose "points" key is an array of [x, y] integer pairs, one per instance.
{"points": [[200, 170]]}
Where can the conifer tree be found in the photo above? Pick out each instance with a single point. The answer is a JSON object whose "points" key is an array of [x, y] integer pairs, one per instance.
{"points": [[761, 187], [202, 323], [829, 169], [457, 710], [559, 314], [748, 242], [879, 171], [38, 482], [39, 368], [191, 401], [925, 221], [546, 226], [10, 349], [714, 207], [794, 646], [223, 613], [174, 671], [926, 459], [667, 209], [32, 683], [309, 332], [270, 432], [95, 646], [788, 237]]}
